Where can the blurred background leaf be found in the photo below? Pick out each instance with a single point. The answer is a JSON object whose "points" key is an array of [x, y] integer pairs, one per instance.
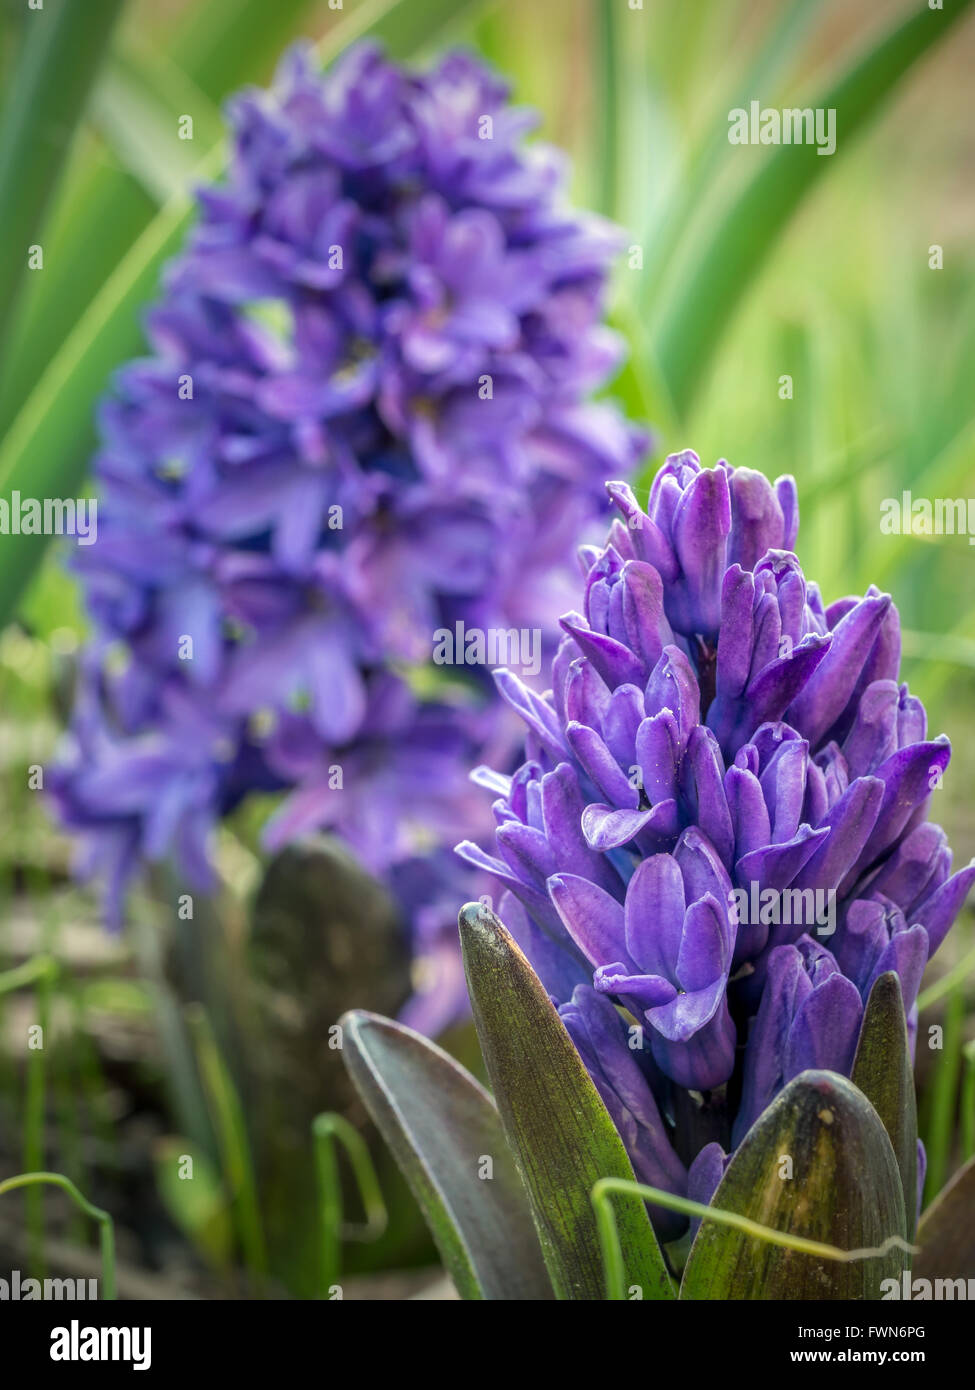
{"points": [[60, 50]]}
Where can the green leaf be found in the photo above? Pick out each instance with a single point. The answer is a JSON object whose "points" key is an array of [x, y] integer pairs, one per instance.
{"points": [[406, 29], [940, 1098], [441, 1126], [45, 453], [196, 1201], [64, 44], [946, 1232], [882, 1070], [841, 1188], [690, 320], [557, 1125], [137, 107], [699, 173], [226, 42]]}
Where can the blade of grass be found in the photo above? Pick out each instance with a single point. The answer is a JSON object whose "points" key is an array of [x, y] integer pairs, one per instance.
{"points": [[607, 106], [942, 1098], [692, 317], [106, 1226], [63, 46], [328, 1131], [228, 1117], [609, 1241], [38, 968], [40, 971], [185, 1093]]}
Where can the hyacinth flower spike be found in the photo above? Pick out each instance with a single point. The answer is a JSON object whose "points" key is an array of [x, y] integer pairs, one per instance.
{"points": [[719, 836], [362, 418]]}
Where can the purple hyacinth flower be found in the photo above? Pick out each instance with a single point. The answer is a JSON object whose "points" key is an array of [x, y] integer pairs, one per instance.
{"points": [[363, 417], [809, 1017], [722, 812], [666, 953], [700, 520]]}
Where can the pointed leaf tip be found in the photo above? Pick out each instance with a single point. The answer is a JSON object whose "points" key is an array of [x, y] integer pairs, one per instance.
{"points": [[883, 1072], [817, 1164], [558, 1128]]}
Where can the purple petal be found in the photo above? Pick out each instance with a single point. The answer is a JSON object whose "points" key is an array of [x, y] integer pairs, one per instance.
{"points": [[592, 918]]}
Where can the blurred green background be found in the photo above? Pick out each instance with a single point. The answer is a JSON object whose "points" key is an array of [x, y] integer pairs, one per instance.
{"points": [[754, 264]]}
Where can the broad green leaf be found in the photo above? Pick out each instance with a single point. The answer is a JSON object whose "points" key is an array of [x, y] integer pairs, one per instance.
{"points": [[816, 1164], [946, 1231], [63, 45], [47, 447], [692, 316], [882, 1070], [557, 1125], [445, 1134]]}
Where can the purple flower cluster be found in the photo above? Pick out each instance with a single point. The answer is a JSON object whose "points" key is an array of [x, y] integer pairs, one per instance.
{"points": [[363, 417], [720, 823]]}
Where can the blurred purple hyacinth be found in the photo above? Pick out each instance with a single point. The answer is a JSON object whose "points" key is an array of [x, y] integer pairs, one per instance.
{"points": [[364, 416], [720, 822]]}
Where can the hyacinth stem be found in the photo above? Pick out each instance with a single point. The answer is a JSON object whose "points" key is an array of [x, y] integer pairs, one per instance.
{"points": [[612, 1256], [105, 1223], [328, 1130]]}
